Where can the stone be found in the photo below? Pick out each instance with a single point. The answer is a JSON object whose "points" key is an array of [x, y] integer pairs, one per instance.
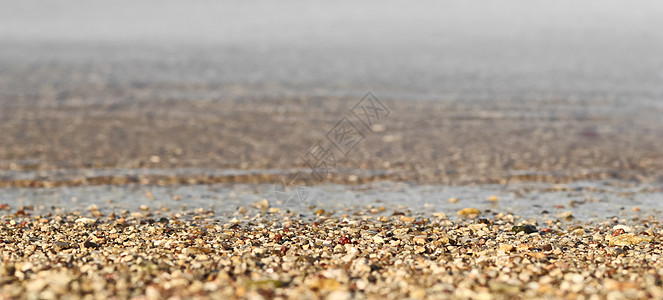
{"points": [[524, 228], [626, 239], [625, 228], [565, 215], [262, 205], [85, 220], [420, 239], [469, 211], [506, 248]]}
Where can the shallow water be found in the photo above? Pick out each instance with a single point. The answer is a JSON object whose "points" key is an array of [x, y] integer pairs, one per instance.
{"points": [[587, 200]]}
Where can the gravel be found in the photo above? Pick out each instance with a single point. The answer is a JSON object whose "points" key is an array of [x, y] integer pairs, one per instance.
{"points": [[360, 254]]}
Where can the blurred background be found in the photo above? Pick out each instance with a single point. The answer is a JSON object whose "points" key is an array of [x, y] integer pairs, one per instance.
{"points": [[194, 92]]}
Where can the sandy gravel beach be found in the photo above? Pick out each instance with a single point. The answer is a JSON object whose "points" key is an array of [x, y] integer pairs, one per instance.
{"points": [[265, 252], [340, 150]]}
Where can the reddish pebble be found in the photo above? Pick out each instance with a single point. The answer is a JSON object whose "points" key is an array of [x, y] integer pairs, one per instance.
{"points": [[546, 230], [344, 240], [618, 232], [558, 206]]}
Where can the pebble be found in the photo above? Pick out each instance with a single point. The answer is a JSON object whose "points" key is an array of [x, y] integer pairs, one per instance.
{"points": [[506, 248], [524, 228], [578, 232], [626, 239], [565, 215], [420, 239], [58, 246], [616, 251], [469, 211], [624, 228], [407, 219], [262, 205], [85, 220]]}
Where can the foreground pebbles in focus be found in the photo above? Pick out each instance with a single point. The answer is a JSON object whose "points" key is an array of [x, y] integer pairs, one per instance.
{"points": [[277, 254]]}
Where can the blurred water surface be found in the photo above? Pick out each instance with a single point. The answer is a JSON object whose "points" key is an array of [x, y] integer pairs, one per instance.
{"points": [[436, 50]]}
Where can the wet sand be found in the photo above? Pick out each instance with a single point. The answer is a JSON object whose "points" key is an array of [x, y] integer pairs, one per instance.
{"points": [[442, 142]]}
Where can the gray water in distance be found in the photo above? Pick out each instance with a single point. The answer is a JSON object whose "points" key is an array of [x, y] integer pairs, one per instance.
{"points": [[435, 50]]}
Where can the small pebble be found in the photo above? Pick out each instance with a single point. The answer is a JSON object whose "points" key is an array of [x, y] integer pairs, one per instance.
{"points": [[469, 211], [524, 228]]}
